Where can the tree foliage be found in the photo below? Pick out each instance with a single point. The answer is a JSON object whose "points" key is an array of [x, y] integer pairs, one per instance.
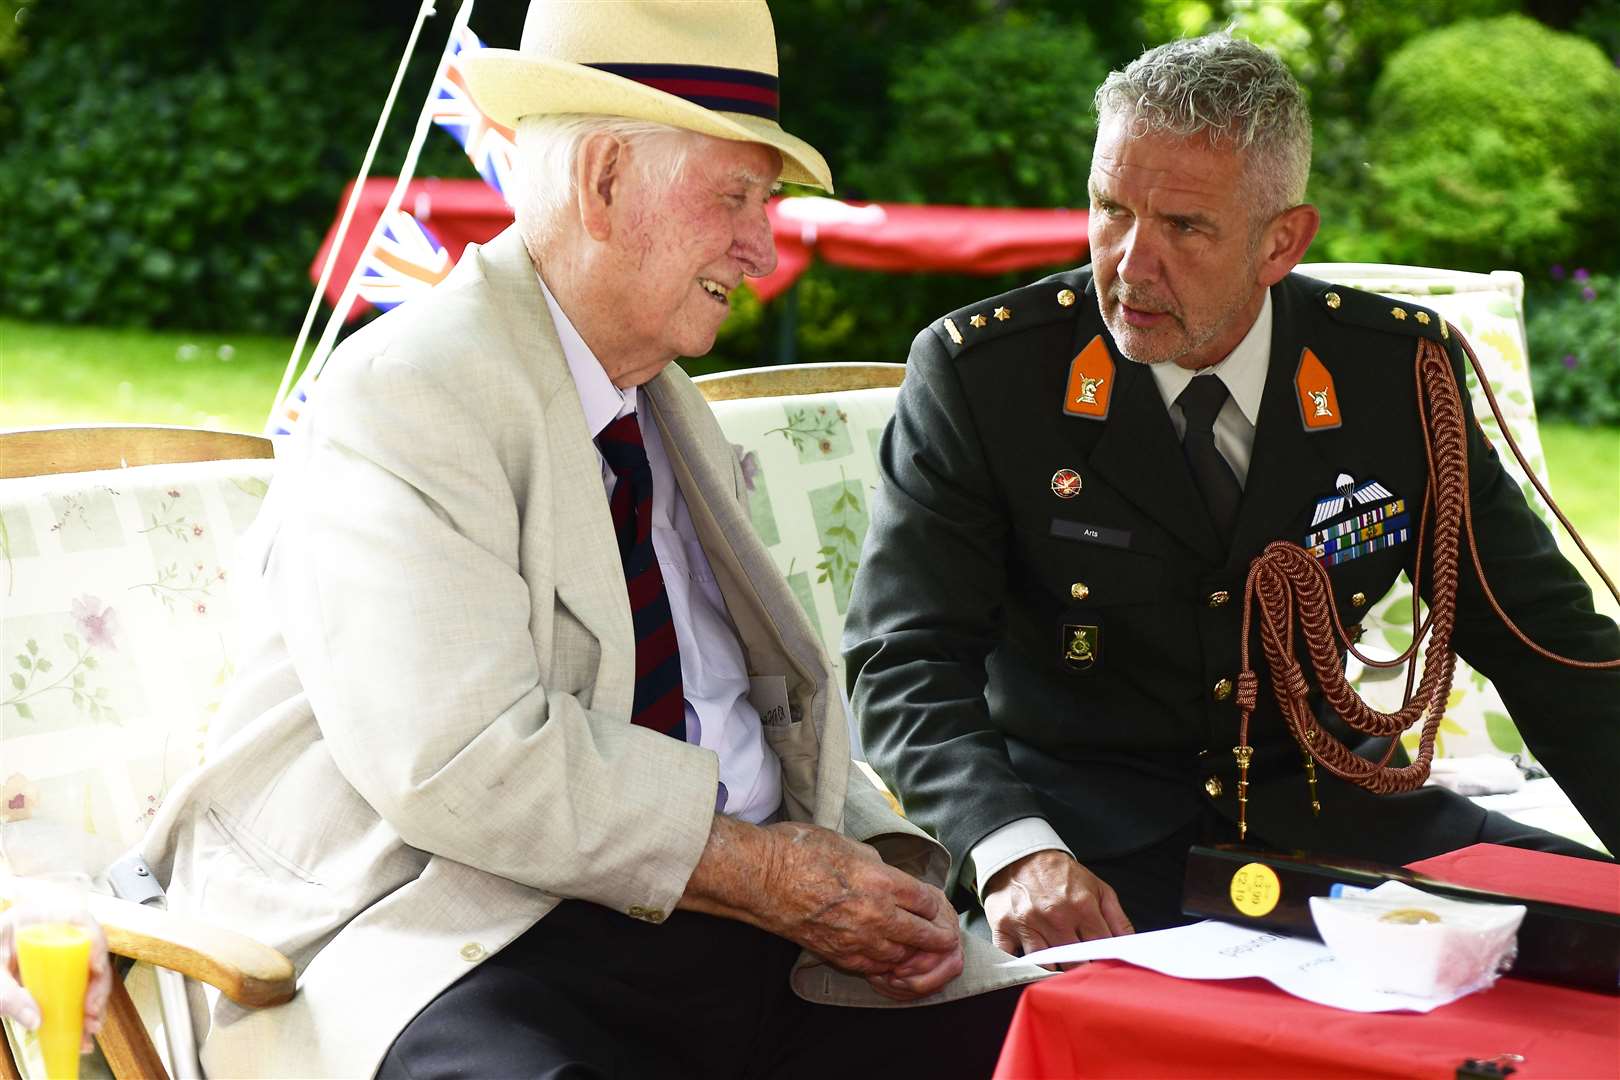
{"points": [[1491, 143]]}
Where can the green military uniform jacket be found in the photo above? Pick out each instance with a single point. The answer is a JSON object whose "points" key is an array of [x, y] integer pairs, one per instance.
{"points": [[979, 705]]}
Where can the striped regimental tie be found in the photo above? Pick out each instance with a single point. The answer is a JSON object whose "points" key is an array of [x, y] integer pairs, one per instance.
{"points": [[659, 702]]}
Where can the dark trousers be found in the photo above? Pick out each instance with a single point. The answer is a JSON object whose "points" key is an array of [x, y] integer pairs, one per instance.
{"points": [[588, 993]]}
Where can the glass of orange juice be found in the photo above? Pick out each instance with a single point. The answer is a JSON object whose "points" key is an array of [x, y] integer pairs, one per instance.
{"points": [[53, 943]]}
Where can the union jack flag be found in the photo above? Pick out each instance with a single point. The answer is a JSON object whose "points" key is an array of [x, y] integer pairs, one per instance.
{"points": [[488, 144], [406, 261], [282, 424]]}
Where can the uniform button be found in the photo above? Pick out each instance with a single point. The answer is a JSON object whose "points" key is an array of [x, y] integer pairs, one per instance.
{"points": [[636, 911], [1355, 631], [1214, 787], [655, 915], [1079, 590], [1219, 597], [1223, 690], [472, 952], [1359, 599]]}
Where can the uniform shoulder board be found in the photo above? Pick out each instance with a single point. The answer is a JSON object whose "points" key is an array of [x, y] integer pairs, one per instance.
{"points": [[1376, 312], [1061, 296]]}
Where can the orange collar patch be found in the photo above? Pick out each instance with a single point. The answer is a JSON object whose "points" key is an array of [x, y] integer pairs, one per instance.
{"points": [[1313, 389], [1091, 382]]}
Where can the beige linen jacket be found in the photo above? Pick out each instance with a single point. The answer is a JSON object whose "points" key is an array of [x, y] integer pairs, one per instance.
{"points": [[427, 742]]}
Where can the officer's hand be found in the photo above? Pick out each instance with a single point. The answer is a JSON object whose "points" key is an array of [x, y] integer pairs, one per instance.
{"points": [[1047, 899]]}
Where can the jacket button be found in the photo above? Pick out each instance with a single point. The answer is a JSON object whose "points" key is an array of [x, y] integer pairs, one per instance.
{"points": [[1223, 690], [1079, 590], [1219, 597], [472, 952], [1213, 786], [1359, 599]]}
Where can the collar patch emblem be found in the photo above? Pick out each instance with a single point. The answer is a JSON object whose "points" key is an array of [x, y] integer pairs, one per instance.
{"points": [[1091, 382], [1313, 389]]}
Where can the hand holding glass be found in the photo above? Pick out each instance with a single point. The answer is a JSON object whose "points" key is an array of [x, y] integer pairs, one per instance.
{"points": [[50, 943]]}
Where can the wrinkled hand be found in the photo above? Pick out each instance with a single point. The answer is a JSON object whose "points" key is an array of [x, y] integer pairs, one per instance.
{"points": [[924, 972], [838, 899], [18, 1004], [1046, 899]]}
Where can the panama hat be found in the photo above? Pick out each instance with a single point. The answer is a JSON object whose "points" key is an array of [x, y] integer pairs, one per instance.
{"points": [[704, 65]]}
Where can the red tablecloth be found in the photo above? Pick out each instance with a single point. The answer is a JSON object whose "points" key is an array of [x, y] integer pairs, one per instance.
{"points": [[1109, 1018]]}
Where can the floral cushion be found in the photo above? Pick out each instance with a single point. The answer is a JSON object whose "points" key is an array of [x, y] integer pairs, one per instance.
{"points": [[1489, 310], [114, 647], [810, 466]]}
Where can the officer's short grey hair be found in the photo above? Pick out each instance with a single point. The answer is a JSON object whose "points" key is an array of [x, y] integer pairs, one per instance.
{"points": [[549, 145], [1231, 92]]}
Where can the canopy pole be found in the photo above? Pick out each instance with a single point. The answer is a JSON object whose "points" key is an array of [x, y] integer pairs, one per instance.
{"points": [[424, 122], [422, 15]]}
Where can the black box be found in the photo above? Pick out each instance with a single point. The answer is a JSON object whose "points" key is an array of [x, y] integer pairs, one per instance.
{"points": [[1558, 943]]}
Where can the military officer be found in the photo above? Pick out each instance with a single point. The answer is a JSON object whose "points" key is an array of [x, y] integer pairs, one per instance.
{"points": [[1090, 463]]}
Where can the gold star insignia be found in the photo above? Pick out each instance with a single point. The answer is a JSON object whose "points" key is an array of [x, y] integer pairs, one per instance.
{"points": [[977, 321], [1422, 317], [1399, 313], [1002, 314]]}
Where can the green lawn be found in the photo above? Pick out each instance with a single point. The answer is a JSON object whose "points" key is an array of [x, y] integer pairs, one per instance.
{"points": [[75, 375]]}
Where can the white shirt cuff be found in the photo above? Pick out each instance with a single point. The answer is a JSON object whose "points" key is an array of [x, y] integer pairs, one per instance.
{"points": [[1010, 843]]}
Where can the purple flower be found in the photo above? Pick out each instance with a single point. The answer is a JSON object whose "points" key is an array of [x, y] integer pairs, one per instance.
{"points": [[750, 469], [1581, 274], [1589, 294], [1556, 271], [1571, 361], [97, 624]]}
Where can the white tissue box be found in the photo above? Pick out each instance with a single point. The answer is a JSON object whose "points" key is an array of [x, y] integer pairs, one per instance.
{"points": [[1399, 938]]}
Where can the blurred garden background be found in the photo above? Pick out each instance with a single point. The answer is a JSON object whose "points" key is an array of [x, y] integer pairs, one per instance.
{"points": [[167, 170]]}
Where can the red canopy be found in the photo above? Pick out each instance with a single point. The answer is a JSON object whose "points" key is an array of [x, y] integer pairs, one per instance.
{"points": [[872, 236]]}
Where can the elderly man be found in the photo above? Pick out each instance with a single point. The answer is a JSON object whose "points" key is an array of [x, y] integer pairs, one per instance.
{"points": [[535, 768], [1091, 464]]}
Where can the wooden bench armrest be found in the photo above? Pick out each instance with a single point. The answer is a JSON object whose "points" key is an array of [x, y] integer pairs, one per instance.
{"points": [[245, 971]]}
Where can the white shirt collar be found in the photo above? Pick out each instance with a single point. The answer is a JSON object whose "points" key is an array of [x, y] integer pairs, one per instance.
{"points": [[602, 401], [1243, 371]]}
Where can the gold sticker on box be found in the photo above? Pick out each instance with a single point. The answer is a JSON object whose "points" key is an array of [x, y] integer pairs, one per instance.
{"points": [[1255, 889]]}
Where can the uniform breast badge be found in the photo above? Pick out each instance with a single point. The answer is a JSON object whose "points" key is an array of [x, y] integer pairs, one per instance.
{"points": [[1313, 389], [1065, 483], [1091, 382], [1081, 646], [1357, 520]]}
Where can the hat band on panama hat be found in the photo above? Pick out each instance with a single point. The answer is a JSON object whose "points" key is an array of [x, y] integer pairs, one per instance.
{"points": [[722, 89]]}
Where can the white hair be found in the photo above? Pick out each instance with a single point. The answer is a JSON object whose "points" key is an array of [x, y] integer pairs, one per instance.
{"points": [[1230, 92], [548, 147]]}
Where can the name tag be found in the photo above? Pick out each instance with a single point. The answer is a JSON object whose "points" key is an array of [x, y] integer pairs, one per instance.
{"points": [[1064, 529]]}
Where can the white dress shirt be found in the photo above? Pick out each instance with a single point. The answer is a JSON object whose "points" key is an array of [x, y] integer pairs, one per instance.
{"points": [[714, 677], [1244, 372]]}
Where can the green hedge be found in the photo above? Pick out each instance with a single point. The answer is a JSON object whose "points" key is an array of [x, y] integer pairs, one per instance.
{"points": [[180, 170], [1573, 323], [1491, 143]]}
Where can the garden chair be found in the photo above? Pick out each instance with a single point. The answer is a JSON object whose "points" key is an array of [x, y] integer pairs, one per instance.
{"points": [[104, 626]]}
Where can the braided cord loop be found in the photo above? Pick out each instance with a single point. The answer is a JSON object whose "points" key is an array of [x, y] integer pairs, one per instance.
{"points": [[1287, 588]]}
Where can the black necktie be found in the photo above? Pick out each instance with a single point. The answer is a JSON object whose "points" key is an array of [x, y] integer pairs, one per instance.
{"points": [[1200, 403], [659, 700]]}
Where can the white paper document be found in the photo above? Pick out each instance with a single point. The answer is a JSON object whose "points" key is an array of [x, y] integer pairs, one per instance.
{"points": [[1218, 950]]}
